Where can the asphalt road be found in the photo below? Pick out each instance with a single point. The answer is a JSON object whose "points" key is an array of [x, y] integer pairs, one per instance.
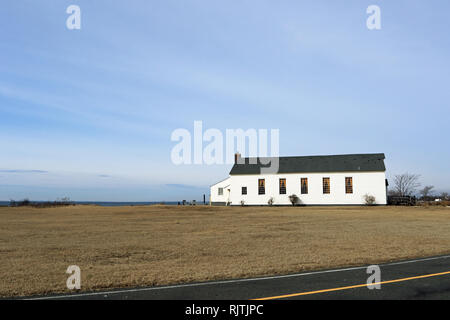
{"points": [[414, 279]]}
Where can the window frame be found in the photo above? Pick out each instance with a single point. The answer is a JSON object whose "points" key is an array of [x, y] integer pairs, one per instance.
{"points": [[349, 187], [242, 191], [324, 185], [261, 186], [282, 189], [219, 191], [305, 185]]}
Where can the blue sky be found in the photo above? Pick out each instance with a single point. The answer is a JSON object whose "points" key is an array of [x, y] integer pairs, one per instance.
{"points": [[89, 113]]}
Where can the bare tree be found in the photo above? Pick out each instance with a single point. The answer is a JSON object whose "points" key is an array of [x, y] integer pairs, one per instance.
{"points": [[406, 184], [393, 193], [444, 195], [425, 192]]}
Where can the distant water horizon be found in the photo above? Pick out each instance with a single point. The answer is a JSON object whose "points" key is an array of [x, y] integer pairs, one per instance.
{"points": [[111, 203]]}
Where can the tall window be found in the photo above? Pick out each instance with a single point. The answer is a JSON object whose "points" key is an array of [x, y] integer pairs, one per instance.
{"points": [[348, 185], [326, 185], [244, 190], [304, 184], [261, 186], [282, 186], [220, 191]]}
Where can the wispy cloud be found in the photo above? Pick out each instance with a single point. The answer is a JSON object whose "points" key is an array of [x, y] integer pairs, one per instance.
{"points": [[22, 171], [182, 186]]}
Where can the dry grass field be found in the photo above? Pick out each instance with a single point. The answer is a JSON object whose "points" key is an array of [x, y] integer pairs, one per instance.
{"points": [[156, 245]]}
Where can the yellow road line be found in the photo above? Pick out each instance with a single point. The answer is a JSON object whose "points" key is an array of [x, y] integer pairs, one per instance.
{"points": [[355, 286]]}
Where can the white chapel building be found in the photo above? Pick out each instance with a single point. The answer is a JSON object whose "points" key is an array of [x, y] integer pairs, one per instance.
{"points": [[315, 180]]}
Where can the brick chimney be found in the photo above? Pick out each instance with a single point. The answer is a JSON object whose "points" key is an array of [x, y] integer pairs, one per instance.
{"points": [[237, 157]]}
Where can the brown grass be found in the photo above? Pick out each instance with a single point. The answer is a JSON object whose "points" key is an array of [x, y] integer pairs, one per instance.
{"points": [[156, 245]]}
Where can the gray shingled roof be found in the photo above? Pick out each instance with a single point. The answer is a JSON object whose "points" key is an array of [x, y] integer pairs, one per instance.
{"points": [[334, 163]]}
